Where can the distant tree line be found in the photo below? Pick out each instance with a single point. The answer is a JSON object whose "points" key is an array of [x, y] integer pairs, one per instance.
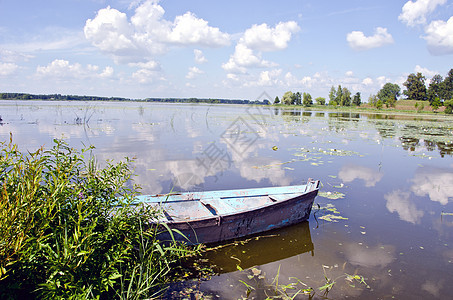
{"points": [[438, 93], [23, 96], [340, 96], [198, 100]]}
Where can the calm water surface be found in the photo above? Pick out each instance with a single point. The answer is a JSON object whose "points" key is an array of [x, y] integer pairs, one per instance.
{"points": [[387, 182]]}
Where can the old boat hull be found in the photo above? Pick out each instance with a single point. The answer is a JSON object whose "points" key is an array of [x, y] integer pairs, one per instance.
{"points": [[211, 217]]}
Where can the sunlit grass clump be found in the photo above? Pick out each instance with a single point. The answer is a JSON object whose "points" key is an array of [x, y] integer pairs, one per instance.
{"points": [[69, 229]]}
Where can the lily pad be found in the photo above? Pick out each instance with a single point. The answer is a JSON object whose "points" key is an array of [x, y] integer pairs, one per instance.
{"points": [[331, 195]]}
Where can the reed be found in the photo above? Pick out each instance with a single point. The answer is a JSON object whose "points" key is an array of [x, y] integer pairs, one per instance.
{"points": [[70, 229]]}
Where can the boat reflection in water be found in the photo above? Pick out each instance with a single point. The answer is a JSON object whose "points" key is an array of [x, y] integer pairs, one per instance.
{"points": [[258, 250]]}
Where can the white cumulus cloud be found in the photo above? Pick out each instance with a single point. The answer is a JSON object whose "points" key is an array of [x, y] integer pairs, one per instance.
{"points": [[258, 38], [199, 56], [415, 12], [148, 33], [265, 38], [193, 72], [7, 68], [190, 30], [367, 81], [358, 41], [63, 69], [426, 72], [149, 65], [439, 36]]}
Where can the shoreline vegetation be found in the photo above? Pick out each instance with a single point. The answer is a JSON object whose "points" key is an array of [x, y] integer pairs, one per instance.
{"points": [[437, 97], [71, 230], [400, 106]]}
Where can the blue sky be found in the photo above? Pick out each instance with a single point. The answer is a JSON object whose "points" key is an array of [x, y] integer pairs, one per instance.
{"points": [[220, 49]]}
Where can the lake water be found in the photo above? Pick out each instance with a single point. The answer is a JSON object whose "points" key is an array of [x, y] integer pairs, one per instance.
{"points": [[386, 209]]}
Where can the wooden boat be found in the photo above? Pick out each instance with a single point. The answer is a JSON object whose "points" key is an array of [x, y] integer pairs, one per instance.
{"points": [[217, 216]]}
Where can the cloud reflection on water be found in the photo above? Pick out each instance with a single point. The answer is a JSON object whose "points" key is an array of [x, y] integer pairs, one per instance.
{"points": [[399, 201], [437, 183], [350, 172]]}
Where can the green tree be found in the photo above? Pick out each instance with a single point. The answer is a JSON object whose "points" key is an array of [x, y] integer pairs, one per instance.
{"points": [[372, 100], [277, 100], [356, 100], [379, 104], [448, 86], [339, 95], [435, 104], [415, 87], [298, 98], [321, 101], [448, 106], [419, 106], [288, 98], [389, 93], [332, 95], [307, 100], [345, 97], [436, 88]]}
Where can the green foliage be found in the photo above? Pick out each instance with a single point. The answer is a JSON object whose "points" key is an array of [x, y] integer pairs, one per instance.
{"points": [[447, 86], [277, 100], [436, 88], [320, 101], [419, 106], [340, 96], [379, 104], [258, 285], [389, 94], [298, 98], [435, 104], [448, 106], [356, 100], [345, 97], [332, 95], [289, 98], [307, 100], [373, 100], [415, 87], [70, 229]]}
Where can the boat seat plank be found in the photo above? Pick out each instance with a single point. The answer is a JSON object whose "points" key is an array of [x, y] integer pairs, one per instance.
{"points": [[221, 207], [283, 197], [234, 205], [186, 211]]}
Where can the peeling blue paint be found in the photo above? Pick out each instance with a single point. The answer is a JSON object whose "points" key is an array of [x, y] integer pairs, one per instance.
{"points": [[223, 215]]}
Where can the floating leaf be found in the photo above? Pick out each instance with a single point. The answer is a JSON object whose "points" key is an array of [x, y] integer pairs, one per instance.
{"points": [[275, 148], [332, 218], [331, 195]]}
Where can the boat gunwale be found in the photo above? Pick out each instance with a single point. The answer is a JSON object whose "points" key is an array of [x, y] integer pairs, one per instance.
{"points": [[245, 211]]}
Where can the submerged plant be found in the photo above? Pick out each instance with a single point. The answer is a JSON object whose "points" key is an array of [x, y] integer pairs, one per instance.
{"points": [[295, 287], [70, 229]]}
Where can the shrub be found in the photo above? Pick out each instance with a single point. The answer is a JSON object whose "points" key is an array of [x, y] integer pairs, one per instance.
{"points": [[70, 229], [448, 106]]}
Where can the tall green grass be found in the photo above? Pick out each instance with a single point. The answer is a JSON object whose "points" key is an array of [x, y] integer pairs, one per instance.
{"points": [[69, 229]]}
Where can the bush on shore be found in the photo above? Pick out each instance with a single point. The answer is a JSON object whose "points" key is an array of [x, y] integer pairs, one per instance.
{"points": [[69, 229]]}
